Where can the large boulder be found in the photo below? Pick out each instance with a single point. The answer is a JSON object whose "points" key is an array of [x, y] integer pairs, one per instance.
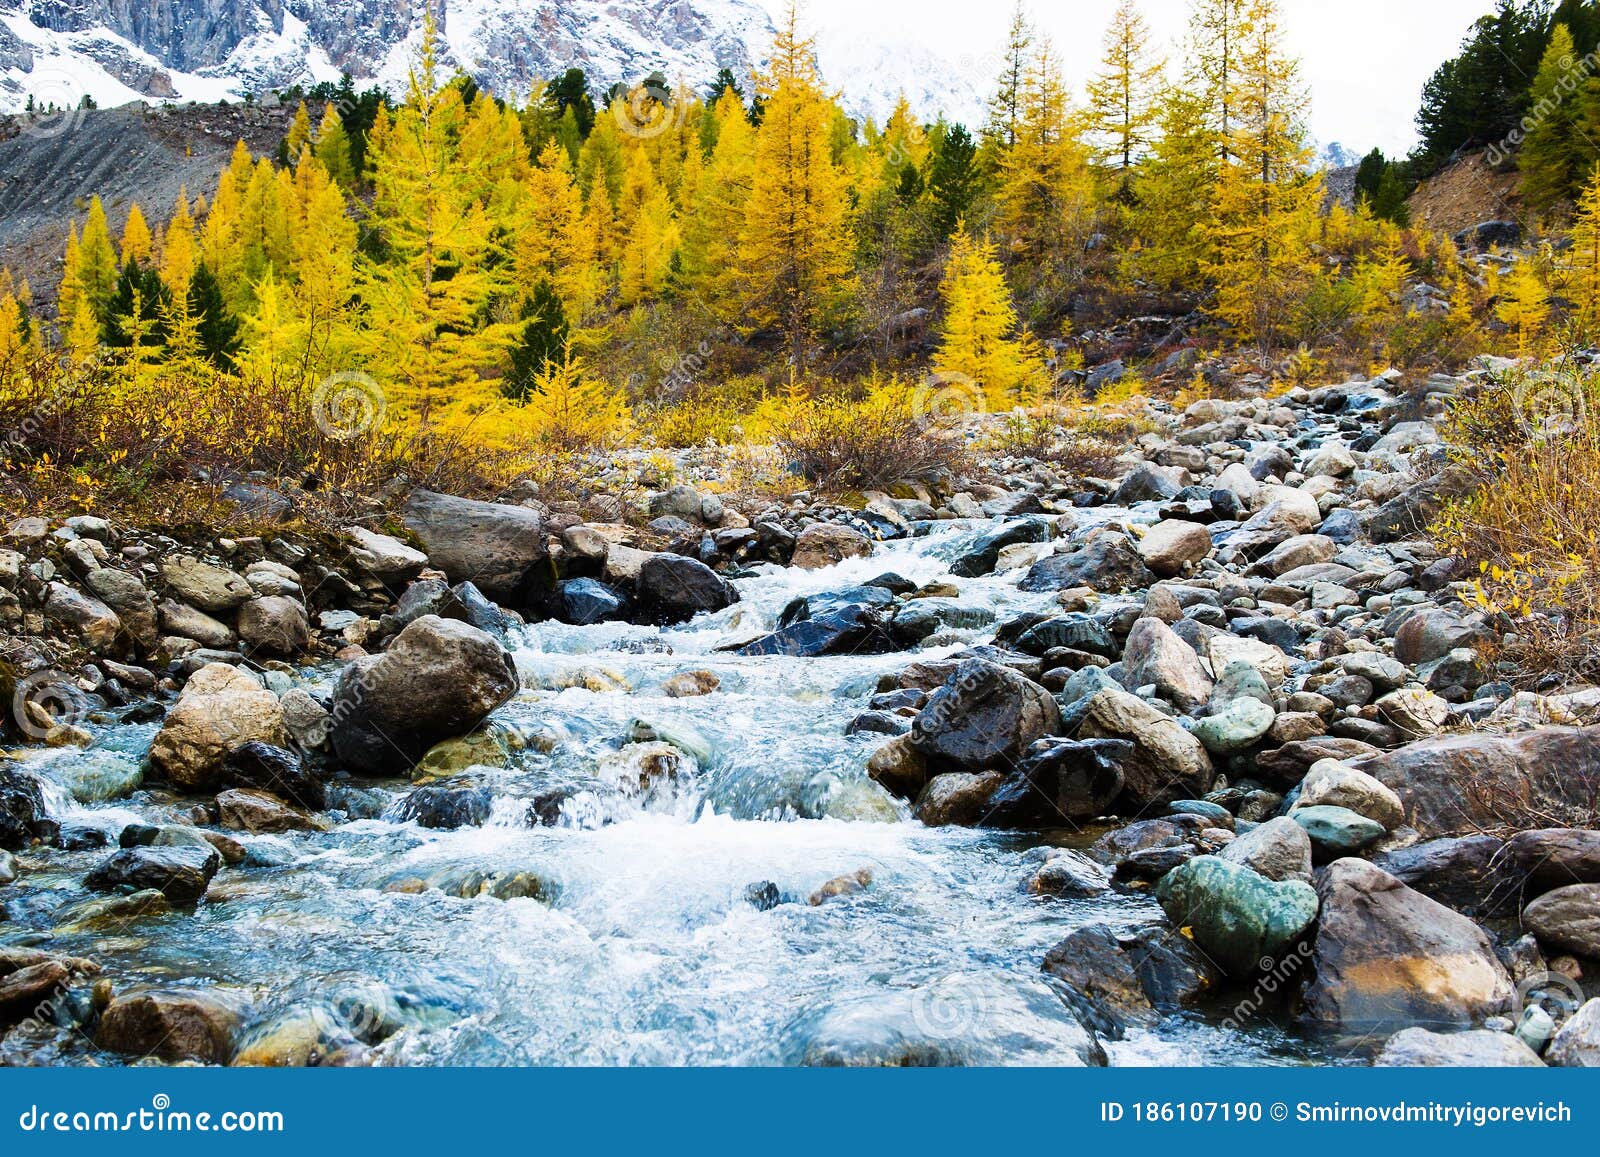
{"points": [[1241, 919], [23, 817], [1567, 919], [384, 557], [1386, 957], [1101, 975], [86, 616], [826, 543], [127, 595], [274, 627], [1107, 563], [1547, 858], [1408, 514], [214, 589], [981, 556], [29, 988], [586, 601], [962, 1019], [499, 548], [1577, 1042], [958, 798], [1474, 1049], [1279, 849], [1336, 831], [1467, 873], [1460, 783], [180, 872], [439, 679], [673, 589], [1238, 726], [1156, 656], [221, 708], [1330, 783], [984, 717], [1060, 779], [1169, 547], [172, 1024], [852, 629], [1167, 763], [1435, 632], [250, 810], [275, 769]]}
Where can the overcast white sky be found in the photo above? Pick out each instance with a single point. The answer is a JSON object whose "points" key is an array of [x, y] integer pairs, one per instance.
{"points": [[1365, 60]]}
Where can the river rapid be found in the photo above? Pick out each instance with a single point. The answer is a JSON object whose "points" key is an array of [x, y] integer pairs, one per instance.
{"points": [[629, 936]]}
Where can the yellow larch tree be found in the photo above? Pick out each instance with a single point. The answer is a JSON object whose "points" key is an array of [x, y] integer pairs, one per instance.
{"points": [[299, 136], [1218, 30], [715, 216], [1583, 260], [1524, 305], [550, 244], [649, 233], [332, 148], [323, 265], [1122, 95], [97, 260], [70, 290], [1046, 202], [426, 299], [1005, 106], [222, 239], [601, 164], [1267, 202], [137, 243], [979, 321], [794, 262], [178, 260], [1174, 190]]}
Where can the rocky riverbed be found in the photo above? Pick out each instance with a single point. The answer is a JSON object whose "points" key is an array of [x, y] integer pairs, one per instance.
{"points": [[1201, 763]]}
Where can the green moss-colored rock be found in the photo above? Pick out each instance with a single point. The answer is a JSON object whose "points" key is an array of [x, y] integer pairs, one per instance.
{"points": [[1237, 916], [1336, 831]]}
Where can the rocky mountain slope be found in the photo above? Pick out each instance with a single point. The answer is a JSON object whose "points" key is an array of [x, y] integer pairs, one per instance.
{"points": [[60, 50], [133, 153]]}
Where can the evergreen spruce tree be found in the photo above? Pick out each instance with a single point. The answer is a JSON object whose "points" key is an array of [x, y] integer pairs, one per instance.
{"points": [[954, 181]]}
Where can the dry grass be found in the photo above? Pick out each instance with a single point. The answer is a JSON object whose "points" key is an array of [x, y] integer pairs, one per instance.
{"points": [[1088, 448], [840, 442], [1532, 530]]}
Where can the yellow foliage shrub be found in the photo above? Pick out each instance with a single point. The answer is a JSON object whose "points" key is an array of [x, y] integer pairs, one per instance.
{"points": [[1531, 531]]}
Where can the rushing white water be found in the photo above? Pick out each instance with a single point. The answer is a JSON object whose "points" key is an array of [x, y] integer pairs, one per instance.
{"points": [[642, 947]]}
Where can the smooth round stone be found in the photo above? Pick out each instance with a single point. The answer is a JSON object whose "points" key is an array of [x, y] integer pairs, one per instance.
{"points": [[1337, 831], [1203, 808]]}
